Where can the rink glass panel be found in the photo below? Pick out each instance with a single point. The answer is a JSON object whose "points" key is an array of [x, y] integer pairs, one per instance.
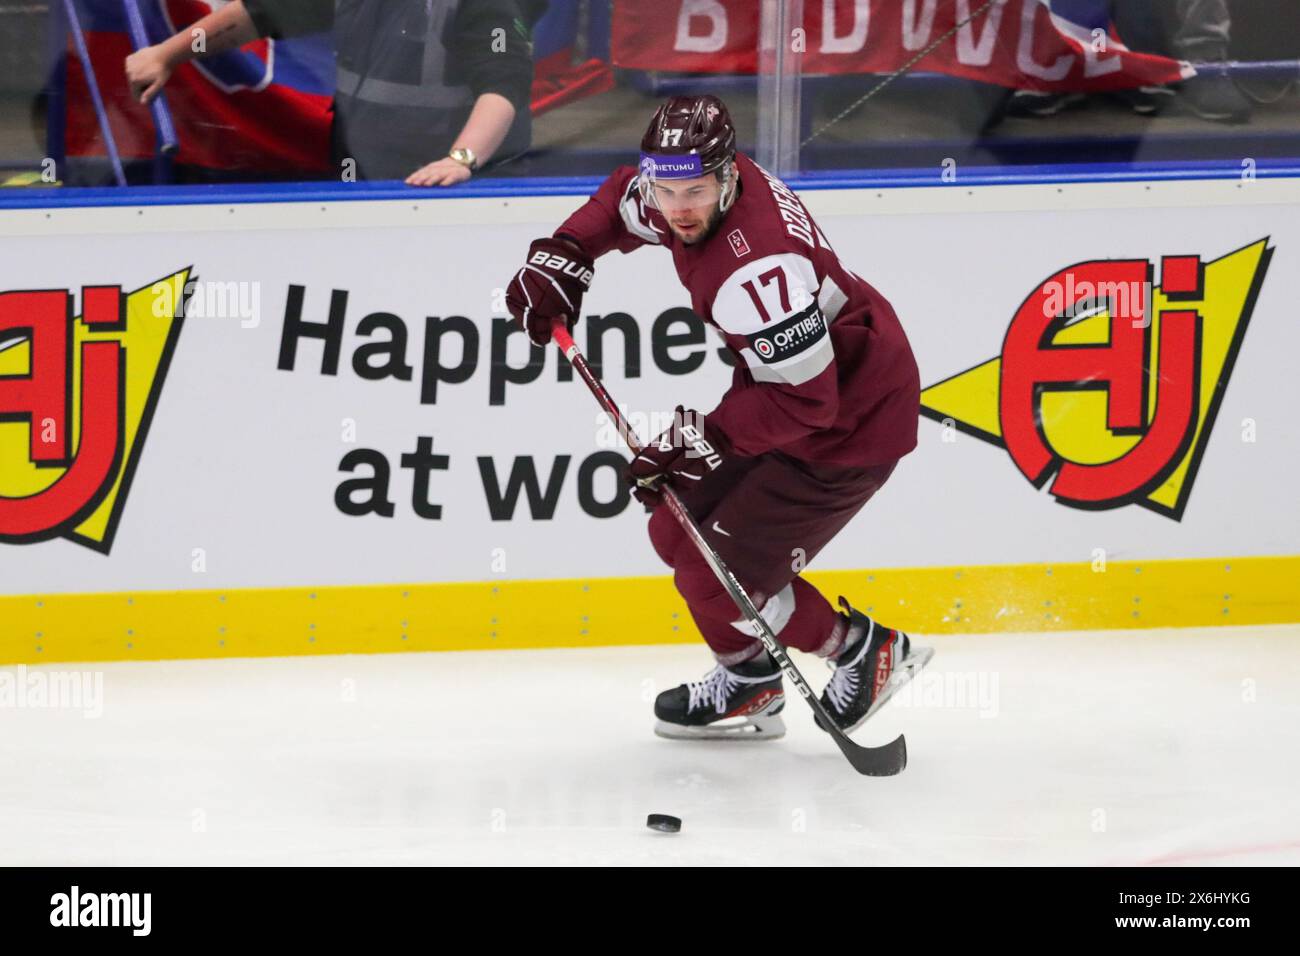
{"points": [[808, 82]]}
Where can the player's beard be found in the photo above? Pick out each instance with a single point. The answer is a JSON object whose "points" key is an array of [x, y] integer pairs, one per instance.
{"points": [[710, 227]]}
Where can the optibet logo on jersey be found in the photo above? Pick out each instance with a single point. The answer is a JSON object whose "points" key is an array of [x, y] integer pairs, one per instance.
{"points": [[1108, 385], [77, 395]]}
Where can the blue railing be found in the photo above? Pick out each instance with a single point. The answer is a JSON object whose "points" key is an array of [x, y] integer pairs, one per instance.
{"points": [[165, 140], [395, 191]]}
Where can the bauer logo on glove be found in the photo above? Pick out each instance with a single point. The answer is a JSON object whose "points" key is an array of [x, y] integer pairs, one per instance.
{"points": [[551, 284], [698, 446], [568, 267], [687, 451]]}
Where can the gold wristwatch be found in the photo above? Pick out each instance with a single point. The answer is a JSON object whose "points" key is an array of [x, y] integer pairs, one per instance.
{"points": [[465, 156]]}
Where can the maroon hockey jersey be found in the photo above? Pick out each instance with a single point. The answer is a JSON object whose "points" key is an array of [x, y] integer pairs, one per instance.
{"points": [[824, 372]]}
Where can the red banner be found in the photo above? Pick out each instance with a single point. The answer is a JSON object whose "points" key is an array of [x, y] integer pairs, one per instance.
{"points": [[1025, 44]]}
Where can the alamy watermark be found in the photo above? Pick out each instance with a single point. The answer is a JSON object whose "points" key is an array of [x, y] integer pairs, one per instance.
{"points": [[77, 909], [962, 690], [209, 299], [45, 689], [1078, 300]]}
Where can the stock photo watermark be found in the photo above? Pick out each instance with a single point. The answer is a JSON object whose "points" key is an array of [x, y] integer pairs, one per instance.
{"points": [[23, 688], [207, 299]]}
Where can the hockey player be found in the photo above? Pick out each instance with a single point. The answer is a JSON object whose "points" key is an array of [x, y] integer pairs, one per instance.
{"points": [[824, 401]]}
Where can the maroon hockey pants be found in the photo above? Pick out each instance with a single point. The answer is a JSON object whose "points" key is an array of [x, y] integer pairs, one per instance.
{"points": [[767, 517]]}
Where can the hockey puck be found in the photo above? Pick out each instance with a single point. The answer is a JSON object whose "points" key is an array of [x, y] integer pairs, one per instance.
{"points": [[663, 823]]}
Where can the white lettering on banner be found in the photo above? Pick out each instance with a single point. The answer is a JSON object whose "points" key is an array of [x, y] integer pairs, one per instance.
{"points": [[971, 38], [856, 38], [1025, 51], [917, 37], [970, 51], [711, 42]]}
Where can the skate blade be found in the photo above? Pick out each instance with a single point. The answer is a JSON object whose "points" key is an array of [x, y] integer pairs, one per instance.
{"points": [[756, 727], [916, 660]]}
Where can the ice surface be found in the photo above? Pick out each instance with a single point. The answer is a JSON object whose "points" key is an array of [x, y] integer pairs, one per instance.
{"points": [[1154, 746]]}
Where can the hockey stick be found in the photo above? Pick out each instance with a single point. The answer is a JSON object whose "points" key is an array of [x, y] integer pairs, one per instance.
{"points": [[872, 761]]}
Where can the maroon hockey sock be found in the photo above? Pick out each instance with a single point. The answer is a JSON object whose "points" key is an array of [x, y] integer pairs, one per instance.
{"points": [[815, 627]]}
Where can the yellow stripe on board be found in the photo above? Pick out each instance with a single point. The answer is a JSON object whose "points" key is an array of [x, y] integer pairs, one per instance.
{"points": [[602, 612]]}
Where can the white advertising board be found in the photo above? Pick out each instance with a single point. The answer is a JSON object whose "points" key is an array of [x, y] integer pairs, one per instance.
{"points": [[245, 426]]}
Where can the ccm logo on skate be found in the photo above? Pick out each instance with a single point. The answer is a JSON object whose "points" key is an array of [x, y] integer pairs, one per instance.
{"points": [[757, 705], [786, 340], [74, 412], [568, 267], [884, 665], [1107, 388]]}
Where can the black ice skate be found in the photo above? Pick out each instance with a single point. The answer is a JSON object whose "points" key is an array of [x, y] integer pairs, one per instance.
{"points": [[738, 703], [874, 663]]}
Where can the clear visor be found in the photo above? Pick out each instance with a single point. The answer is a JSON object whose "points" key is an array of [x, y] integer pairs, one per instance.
{"points": [[681, 195]]}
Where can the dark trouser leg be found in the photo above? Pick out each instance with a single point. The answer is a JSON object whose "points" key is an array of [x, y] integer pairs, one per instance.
{"points": [[771, 519], [1203, 30]]}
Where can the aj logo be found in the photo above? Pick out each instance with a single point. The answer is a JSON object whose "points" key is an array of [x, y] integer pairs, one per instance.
{"points": [[77, 394], [1107, 388]]}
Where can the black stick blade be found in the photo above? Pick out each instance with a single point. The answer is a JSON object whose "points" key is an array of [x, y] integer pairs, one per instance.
{"points": [[875, 761]]}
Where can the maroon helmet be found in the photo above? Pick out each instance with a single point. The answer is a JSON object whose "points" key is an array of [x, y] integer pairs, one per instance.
{"points": [[689, 136]]}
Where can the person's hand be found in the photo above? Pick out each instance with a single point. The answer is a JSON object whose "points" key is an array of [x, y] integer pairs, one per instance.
{"points": [[147, 72], [550, 284], [444, 172], [690, 449]]}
